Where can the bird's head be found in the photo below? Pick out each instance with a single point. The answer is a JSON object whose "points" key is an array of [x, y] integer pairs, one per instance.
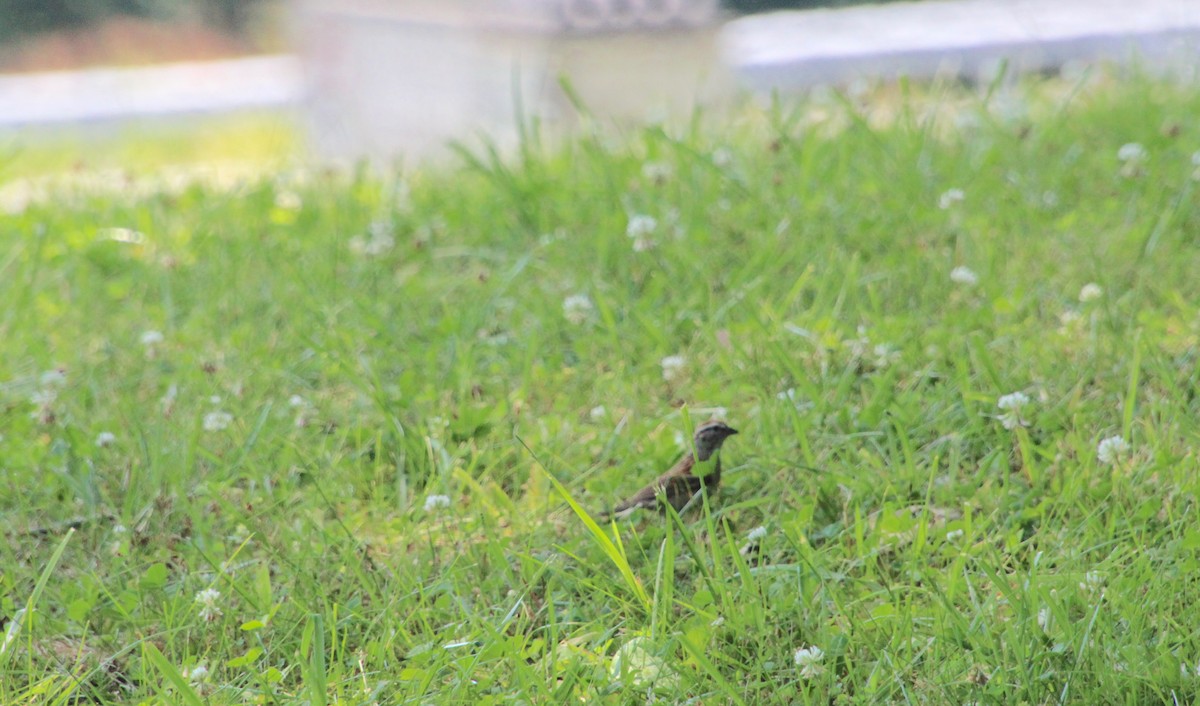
{"points": [[709, 437]]}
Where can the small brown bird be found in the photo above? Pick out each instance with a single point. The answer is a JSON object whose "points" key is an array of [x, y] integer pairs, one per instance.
{"points": [[678, 486]]}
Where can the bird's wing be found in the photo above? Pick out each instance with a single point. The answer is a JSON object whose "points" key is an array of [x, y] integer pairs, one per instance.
{"points": [[676, 490], [678, 486]]}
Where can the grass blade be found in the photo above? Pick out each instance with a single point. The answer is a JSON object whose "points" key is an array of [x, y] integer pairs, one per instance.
{"points": [[172, 675], [14, 628]]}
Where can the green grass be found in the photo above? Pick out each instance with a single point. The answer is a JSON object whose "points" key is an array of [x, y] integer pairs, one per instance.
{"points": [[801, 264], [146, 145]]}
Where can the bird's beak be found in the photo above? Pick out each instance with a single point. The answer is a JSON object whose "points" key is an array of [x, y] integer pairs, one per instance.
{"points": [[732, 431]]}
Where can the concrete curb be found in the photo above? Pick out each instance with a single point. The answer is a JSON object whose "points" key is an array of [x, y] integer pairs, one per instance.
{"points": [[795, 50], [96, 95]]}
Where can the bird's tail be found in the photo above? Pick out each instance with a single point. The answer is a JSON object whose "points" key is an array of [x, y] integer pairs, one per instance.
{"points": [[623, 511]]}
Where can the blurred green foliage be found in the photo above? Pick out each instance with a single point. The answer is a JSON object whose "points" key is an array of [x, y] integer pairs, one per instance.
{"points": [[24, 18]]}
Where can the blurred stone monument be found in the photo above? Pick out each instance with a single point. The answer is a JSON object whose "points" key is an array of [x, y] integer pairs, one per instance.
{"points": [[402, 78]]}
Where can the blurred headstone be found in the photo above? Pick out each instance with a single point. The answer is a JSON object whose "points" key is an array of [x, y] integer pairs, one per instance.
{"points": [[393, 78]]}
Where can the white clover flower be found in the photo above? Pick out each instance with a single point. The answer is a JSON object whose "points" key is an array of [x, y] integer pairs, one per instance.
{"points": [[119, 529], [378, 245], [105, 439], [885, 355], [757, 533], [379, 240], [955, 535], [1012, 400], [1092, 581], [1045, 619], [858, 346], [383, 237], [640, 225], [1110, 450], [151, 338], [964, 275], [1012, 405], [950, 197], [54, 378], [1131, 152], [198, 678], [672, 367], [1132, 156], [1068, 320], [808, 659], [216, 421], [717, 622], [196, 674], [597, 413], [1090, 292], [209, 610], [304, 411], [657, 171], [436, 502], [642, 244], [577, 308]]}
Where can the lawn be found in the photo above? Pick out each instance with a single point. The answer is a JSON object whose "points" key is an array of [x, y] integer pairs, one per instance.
{"points": [[148, 148], [327, 437]]}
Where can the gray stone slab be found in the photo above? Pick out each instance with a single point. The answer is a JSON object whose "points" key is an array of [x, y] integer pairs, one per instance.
{"points": [[406, 78], [795, 50]]}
